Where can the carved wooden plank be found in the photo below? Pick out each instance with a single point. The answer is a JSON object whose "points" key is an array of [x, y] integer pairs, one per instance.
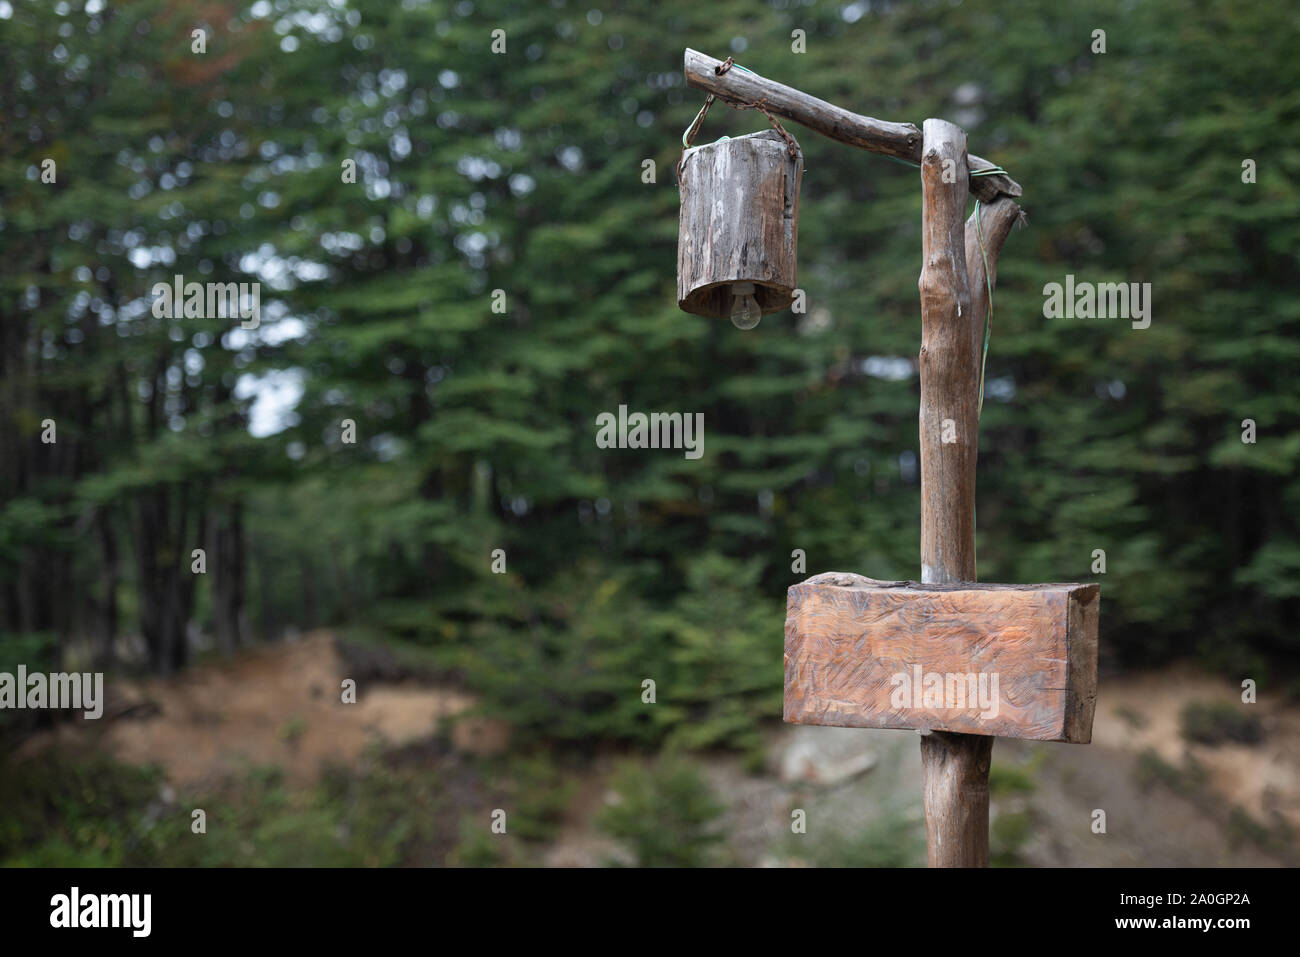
{"points": [[739, 222], [902, 140], [857, 652]]}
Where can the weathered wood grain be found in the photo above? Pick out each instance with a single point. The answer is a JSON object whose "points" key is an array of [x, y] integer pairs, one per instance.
{"points": [[1081, 693], [851, 644], [739, 222], [951, 342], [902, 140], [954, 768], [955, 794]]}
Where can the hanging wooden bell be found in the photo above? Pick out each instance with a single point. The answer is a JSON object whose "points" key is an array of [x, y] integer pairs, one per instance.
{"points": [[739, 227]]}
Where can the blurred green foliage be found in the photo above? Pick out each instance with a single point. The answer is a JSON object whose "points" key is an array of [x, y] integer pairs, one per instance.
{"points": [[523, 172], [665, 814], [86, 810], [891, 838]]}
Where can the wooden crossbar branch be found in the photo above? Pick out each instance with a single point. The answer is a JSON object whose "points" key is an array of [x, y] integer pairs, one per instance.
{"points": [[743, 88], [957, 661]]}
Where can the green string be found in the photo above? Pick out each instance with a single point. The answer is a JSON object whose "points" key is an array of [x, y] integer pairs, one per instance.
{"points": [[988, 331], [988, 317], [902, 161], [698, 116], [707, 103]]}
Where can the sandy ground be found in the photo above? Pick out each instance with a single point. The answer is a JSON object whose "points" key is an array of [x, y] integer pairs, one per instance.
{"points": [[274, 705], [281, 704], [1154, 824], [1261, 779]]}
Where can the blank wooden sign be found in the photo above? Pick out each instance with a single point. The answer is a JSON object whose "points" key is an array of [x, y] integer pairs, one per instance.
{"points": [[1015, 661]]}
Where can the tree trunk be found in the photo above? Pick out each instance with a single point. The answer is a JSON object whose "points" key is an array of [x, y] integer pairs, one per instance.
{"points": [[108, 610], [228, 580]]}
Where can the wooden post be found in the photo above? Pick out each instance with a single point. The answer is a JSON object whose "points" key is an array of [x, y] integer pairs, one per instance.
{"points": [[951, 343], [849, 640], [954, 767]]}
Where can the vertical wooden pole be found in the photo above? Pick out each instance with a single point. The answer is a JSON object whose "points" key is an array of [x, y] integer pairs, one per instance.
{"points": [[954, 767]]}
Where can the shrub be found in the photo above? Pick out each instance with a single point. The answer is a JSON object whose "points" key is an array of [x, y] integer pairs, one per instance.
{"points": [[664, 813], [1219, 722]]}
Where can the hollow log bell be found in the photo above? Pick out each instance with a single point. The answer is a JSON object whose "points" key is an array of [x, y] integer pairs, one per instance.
{"points": [[739, 227]]}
